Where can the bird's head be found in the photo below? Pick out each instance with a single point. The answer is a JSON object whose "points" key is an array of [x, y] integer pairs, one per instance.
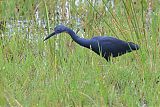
{"points": [[133, 46], [58, 29]]}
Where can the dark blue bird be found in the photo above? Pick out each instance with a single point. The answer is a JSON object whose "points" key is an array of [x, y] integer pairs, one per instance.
{"points": [[106, 46]]}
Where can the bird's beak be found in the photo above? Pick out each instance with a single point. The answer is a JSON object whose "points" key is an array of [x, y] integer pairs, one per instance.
{"points": [[52, 34]]}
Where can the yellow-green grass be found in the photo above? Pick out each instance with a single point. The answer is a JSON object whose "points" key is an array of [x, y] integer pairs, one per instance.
{"points": [[60, 73]]}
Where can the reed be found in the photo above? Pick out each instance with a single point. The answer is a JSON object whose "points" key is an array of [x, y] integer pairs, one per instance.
{"points": [[61, 73]]}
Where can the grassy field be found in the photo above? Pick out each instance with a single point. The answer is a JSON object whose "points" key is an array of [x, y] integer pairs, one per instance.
{"points": [[60, 73]]}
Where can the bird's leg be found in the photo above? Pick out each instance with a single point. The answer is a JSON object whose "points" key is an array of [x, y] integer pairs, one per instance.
{"points": [[108, 59]]}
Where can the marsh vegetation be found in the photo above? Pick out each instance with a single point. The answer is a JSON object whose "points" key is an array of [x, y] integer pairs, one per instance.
{"points": [[60, 73]]}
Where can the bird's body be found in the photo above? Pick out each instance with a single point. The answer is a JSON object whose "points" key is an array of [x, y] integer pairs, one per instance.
{"points": [[106, 46], [109, 46]]}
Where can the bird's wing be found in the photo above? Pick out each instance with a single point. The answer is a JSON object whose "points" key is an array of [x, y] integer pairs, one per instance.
{"points": [[96, 38], [113, 45], [110, 43], [106, 38]]}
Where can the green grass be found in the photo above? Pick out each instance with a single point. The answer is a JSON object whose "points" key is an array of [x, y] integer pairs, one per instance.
{"points": [[60, 73]]}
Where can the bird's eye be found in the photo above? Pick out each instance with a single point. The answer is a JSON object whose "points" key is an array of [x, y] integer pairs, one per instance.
{"points": [[58, 30]]}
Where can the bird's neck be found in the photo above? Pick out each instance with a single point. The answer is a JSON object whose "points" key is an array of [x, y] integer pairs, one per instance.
{"points": [[81, 41]]}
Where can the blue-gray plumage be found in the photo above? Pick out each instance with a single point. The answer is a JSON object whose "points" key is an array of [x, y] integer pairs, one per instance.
{"points": [[106, 46]]}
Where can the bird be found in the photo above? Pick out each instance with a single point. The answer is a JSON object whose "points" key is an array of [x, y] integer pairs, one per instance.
{"points": [[105, 46]]}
